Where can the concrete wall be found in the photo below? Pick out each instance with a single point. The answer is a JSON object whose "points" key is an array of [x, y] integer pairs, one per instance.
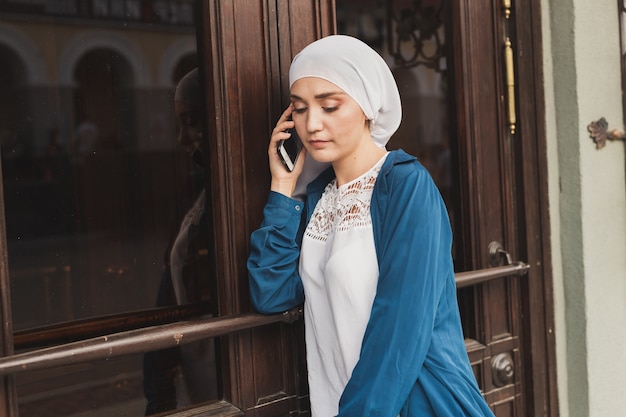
{"points": [[587, 204]]}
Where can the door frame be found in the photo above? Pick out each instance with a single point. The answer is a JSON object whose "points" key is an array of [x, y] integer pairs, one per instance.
{"points": [[533, 160]]}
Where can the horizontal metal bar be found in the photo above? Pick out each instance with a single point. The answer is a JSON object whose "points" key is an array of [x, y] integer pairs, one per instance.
{"points": [[137, 341], [73, 331], [67, 332], [173, 334], [469, 278]]}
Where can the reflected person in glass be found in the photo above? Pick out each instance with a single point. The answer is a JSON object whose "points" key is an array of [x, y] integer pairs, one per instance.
{"points": [[185, 375]]}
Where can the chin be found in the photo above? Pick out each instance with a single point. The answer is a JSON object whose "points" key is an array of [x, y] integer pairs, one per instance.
{"points": [[321, 156]]}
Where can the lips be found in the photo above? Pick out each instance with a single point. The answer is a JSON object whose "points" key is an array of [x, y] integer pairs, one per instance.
{"points": [[317, 143]]}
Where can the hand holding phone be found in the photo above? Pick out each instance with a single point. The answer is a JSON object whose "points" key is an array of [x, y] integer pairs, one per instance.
{"points": [[289, 149]]}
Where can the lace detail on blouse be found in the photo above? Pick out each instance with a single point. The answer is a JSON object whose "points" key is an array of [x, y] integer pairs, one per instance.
{"points": [[344, 208]]}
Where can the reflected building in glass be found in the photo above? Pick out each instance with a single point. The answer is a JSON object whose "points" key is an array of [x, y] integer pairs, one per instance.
{"points": [[96, 185]]}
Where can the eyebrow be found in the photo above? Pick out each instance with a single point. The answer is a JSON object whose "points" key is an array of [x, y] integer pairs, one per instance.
{"points": [[319, 96]]}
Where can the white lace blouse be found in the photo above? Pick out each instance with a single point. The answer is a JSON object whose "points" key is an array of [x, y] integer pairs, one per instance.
{"points": [[339, 272]]}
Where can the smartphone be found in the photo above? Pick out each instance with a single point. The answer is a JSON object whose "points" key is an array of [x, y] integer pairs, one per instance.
{"points": [[289, 149]]}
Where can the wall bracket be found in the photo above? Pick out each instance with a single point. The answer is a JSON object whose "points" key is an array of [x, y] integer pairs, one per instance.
{"points": [[600, 133]]}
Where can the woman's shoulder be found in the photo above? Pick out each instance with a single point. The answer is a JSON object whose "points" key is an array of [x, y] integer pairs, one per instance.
{"points": [[399, 166]]}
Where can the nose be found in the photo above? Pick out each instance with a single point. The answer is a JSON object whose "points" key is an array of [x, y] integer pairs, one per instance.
{"points": [[314, 120]]}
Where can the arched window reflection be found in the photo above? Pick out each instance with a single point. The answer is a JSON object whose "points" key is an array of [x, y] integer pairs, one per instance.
{"points": [[102, 202]]}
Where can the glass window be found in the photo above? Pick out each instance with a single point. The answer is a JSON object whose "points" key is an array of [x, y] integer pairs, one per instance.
{"points": [[410, 36], [105, 192]]}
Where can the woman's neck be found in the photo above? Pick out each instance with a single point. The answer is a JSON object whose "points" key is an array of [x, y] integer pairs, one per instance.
{"points": [[361, 161]]}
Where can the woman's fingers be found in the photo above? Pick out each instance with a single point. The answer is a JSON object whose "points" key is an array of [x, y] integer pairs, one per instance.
{"points": [[283, 180], [284, 123]]}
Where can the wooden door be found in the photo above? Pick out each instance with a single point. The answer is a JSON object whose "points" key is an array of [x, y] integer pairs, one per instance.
{"points": [[495, 187]]}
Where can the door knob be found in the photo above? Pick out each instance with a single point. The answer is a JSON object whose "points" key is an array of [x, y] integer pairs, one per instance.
{"points": [[502, 369]]}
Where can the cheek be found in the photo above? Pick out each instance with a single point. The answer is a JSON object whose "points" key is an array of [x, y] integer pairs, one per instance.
{"points": [[352, 123]]}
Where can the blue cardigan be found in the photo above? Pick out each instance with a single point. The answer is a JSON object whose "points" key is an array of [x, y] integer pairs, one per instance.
{"points": [[413, 360]]}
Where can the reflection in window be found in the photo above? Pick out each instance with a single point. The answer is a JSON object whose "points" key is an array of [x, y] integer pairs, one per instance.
{"points": [[171, 12], [410, 36], [105, 191]]}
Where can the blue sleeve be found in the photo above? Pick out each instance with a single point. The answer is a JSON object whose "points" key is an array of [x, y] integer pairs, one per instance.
{"points": [[413, 245], [275, 284]]}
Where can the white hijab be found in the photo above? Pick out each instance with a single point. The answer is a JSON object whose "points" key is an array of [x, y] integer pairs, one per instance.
{"points": [[363, 74]]}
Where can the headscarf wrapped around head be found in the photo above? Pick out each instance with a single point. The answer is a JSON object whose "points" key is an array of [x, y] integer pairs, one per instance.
{"points": [[188, 88], [360, 72]]}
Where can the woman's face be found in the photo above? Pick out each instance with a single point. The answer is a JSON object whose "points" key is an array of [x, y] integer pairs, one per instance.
{"points": [[331, 124], [190, 129]]}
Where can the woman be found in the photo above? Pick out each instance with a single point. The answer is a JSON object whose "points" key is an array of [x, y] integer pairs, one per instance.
{"points": [[368, 252], [185, 374]]}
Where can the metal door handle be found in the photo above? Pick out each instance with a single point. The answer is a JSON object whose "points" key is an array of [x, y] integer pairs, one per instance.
{"points": [[496, 255]]}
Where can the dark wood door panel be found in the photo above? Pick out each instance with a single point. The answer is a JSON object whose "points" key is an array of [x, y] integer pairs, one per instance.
{"points": [[248, 47], [492, 312], [481, 128], [504, 397], [506, 406], [502, 178], [502, 308]]}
